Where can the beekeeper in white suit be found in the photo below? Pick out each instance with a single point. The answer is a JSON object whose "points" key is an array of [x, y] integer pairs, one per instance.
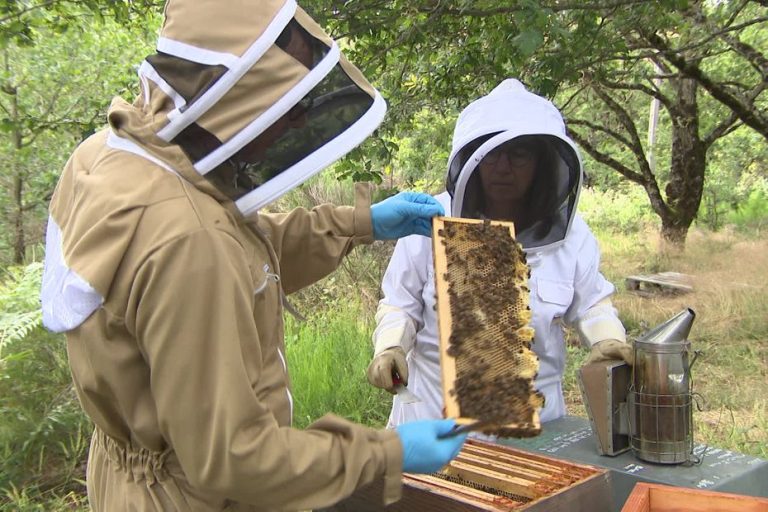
{"points": [[511, 160]]}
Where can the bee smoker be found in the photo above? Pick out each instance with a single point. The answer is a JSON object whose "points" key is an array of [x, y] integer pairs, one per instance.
{"points": [[660, 398], [648, 407]]}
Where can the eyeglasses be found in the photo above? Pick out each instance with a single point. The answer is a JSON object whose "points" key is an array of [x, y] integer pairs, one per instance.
{"points": [[300, 109], [517, 155]]}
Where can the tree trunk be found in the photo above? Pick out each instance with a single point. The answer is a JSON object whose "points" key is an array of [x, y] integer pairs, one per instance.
{"points": [[686, 174], [19, 242]]}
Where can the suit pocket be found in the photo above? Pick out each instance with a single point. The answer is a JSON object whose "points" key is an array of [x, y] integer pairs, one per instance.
{"points": [[558, 293]]}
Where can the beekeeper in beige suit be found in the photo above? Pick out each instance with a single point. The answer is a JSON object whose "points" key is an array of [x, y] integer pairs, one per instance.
{"points": [[170, 286]]}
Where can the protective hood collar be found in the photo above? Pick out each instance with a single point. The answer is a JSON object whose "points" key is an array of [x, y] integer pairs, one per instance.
{"points": [[509, 112], [256, 94]]}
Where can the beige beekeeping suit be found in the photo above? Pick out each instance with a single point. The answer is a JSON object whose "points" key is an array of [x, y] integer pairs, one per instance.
{"points": [[170, 286]]}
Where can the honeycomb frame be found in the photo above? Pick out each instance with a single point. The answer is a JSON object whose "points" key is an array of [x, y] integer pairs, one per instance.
{"points": [[481, 285]]}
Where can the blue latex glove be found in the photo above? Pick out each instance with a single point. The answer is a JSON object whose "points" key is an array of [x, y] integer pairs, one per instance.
{"points": [[407, 213], [423, 452]]}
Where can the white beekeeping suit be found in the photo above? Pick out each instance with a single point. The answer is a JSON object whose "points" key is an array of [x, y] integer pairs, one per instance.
{"points": [[566, 285]]}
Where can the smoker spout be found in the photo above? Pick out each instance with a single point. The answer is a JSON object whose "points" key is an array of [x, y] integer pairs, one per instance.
{"points": [[674, 330]]}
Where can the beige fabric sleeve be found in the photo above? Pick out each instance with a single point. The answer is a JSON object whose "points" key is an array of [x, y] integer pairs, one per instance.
{"points": [[310, 244], [394, 328], [600, 322], [193, 306]]}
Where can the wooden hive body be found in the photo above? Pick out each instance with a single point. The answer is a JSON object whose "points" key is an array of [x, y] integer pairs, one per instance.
{"points": [[492, 477], [488, 367], [647, 497]]}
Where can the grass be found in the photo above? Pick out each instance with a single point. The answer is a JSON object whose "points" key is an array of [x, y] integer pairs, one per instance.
{"points": [[327, 357], [43, 435], [730, 299], [32, 500]]}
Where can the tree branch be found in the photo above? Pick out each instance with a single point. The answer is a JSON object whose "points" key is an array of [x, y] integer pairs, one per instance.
{"points": [[607, 160], [600, 128], [626, 120], [555, 7], [654, 93], [746, 114], [722, 129], [647, 182], [31, 8], [750, 54]]}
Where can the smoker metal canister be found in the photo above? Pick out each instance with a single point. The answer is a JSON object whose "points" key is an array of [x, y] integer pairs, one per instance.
{"points": [[661, 399]]}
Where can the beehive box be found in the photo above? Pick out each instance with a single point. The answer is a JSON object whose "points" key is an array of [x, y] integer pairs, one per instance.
{"points": [[487, 365], [491, 477], [664, 498]]}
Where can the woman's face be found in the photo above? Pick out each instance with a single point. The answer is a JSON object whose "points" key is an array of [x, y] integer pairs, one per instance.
{"points": [[507, 172]]}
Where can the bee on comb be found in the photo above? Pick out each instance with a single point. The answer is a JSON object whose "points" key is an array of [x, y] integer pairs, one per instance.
{"points": [[488, 367]]}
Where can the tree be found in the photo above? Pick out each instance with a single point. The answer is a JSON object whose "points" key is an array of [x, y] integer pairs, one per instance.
{"points": [[607, 54], [646, 67], [49, 101], [22, 20]]}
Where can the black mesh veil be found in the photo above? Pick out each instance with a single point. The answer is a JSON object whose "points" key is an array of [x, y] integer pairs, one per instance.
{"points": [[328, 110], [550, 202]]}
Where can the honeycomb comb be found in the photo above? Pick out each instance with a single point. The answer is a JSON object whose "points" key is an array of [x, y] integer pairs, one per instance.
{"points": [[488, 367]]}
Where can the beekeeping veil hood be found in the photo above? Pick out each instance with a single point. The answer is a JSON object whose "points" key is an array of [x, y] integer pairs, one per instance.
{"points": [[256, 94], [510, 112]]}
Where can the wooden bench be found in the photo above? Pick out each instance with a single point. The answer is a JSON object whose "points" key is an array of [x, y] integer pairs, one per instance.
{"points": [[669, 281]]}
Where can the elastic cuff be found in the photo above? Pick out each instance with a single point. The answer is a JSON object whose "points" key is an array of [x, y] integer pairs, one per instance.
{"points": [[600, 322], [362, 215], [385, 339], [393, 474], [595, 331]]}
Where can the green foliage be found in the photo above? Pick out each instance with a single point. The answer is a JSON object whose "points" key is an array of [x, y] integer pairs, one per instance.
{"points": [[52, 96], [737, 171], [364, 162], [616, 211], [412, 156], [43, 432], [328, 356], [20, 20], [424, 146], [19, 306], [752, 214]]}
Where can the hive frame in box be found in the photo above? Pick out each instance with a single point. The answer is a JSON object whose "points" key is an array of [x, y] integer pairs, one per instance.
{"points": [[444, 314], [488, 477]]}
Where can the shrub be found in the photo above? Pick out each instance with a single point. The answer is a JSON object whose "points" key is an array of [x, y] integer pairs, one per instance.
{"points": [[752, 214], [43, 433], [624, 210]]}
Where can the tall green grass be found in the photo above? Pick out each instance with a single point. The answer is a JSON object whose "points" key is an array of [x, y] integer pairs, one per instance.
{"points": [[327, 357], [44, 435]]}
